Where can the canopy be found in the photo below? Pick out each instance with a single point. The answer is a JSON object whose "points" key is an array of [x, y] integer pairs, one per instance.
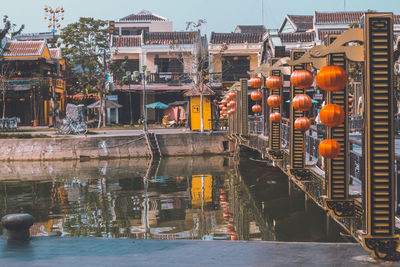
{"points": [[157, 105], [312, 100], [107, 104], [178, 103]]}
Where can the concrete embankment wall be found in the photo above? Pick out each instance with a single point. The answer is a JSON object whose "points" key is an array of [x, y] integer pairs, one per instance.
{"points": [[110, 146]]}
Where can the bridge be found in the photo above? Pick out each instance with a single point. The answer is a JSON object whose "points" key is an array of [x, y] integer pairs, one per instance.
{"points": [[356, 181]]}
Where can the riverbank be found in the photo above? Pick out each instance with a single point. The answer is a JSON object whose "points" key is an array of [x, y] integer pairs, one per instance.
{"points": [[108, 145]]}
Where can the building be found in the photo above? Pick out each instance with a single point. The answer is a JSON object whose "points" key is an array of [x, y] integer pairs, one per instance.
{"points": [[233, 55], [145, 38], [33, 75]]}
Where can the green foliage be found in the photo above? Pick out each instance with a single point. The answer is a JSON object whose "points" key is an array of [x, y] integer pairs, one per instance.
{"points": [[88, 39]]}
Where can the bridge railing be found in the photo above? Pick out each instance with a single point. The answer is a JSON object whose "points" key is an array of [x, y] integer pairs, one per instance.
{"points": [[255, 124]]}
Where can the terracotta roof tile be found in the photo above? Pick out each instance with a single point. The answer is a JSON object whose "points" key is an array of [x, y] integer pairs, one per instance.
{"points": [[143, 16], [24, 48], [302, 23], [235, 38], [55, 53], [127, 41], [297, 37], [167, 38], [250, 29], [323, 34], [337, 17]]}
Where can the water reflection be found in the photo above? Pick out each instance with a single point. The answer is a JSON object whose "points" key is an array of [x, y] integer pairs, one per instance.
{"points": [[181, 198]]}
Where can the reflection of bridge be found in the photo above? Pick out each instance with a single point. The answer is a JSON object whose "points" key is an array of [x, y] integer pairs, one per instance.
{"points": [[356, 186]]}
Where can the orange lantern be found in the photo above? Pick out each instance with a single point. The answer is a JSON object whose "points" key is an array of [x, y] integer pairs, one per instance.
{"points": [[302, 124], [232, 103], [221, 117], [224, 102], [231, 111], [232, 95], [229, 105], [221, 106], [332, 78], [302, 102], [228, 97], [256, 95], [274, 101], [275, 117], [256, 108], [329, 148], [331, 115], [301, 79], [215, 101], [274, 82], [224, 108], [256, 82]]}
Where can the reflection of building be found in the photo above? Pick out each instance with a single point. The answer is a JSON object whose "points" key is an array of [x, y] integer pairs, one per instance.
{"points": [[147, 39], [201, 190], [34, 70]]}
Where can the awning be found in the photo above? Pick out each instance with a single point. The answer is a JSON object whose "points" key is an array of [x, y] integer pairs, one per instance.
{"points": [[108, 104], [157, 105]]}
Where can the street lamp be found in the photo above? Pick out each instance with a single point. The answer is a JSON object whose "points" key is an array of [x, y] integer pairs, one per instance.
{"points": [[128, 75], [144, 74]]}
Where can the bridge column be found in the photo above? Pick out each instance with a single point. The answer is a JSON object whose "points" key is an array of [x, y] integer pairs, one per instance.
{"points": [[297, 138], [243, 113], [380, 238], [337, 201], [274, 129]]}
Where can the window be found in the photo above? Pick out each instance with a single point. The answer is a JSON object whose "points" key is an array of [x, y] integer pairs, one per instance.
{"points": [[168, 65], [235, 67]]}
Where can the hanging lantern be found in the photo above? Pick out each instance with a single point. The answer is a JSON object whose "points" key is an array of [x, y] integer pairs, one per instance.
{"points": [[224, 102], [235, 58], [301, 79], [232, 103], [302, 124], [256, 82], [49, 26], [274, 101], [221, 117], [275, 117], [274, 82], [256, 108], [232, 94], [332, 78], [331, 115], [229, 105], [224, 108], [228, 97], [256, 95], [329, 148], [231, 111], [215, 101], [221, 106], [302, 102]]}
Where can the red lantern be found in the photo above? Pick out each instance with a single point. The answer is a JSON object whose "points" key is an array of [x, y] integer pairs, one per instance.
{"points": [[301, 79], [256, 95], [274, 101], [228, 97], [232, 103], [256, 82], [331, 115], [231, 111], [215, 101], [224, 102], [274, 82], [332, 78], [302, 124], [256, 108], [221, 117], [302, 102], [329, 148], [224, 108], [221, 106], [232, 94], [275, 117]]}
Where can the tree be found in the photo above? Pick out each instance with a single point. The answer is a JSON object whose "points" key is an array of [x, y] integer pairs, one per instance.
{"points": [[88, 44], [7, 69]]}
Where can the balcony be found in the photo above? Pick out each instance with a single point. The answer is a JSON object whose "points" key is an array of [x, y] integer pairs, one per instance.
{"points": [[217, 78], [166, 78]]}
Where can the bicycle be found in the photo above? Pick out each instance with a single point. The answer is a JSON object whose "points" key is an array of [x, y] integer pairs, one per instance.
{"points": [[68, 126]]}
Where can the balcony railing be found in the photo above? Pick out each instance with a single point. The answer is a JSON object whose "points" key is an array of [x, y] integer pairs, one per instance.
{"points": [[220, 77], [169, 78]]}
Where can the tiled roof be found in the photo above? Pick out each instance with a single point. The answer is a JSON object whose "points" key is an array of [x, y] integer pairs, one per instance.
{"points": [[143, 16], [55, 52], [127, 41], [337, 17], [250, 29], [323, 34], [24, 48], [302, 23], [235, 38], [167, 38], [297, 37], [396, 19]]}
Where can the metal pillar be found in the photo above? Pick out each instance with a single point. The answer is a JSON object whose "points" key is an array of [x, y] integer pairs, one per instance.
{"points": [[297, 138], [380, 238], [337, 201]]}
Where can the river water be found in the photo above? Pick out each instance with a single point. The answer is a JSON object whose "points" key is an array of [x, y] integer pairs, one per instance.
{"points": [[181, 198]]}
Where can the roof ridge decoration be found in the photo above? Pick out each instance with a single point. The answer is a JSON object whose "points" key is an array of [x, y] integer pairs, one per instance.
{"points": [[32, 48], [143, 15], [235, 38]]}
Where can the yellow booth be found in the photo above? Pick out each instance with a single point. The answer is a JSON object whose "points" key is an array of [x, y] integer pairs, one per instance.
{"points": [[195, 113]]}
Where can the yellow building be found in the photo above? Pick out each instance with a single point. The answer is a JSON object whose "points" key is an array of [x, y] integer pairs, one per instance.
{"points": [[195, 111]]}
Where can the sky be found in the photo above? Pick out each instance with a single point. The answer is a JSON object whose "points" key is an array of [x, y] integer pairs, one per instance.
{"points": [[221, 15]]}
